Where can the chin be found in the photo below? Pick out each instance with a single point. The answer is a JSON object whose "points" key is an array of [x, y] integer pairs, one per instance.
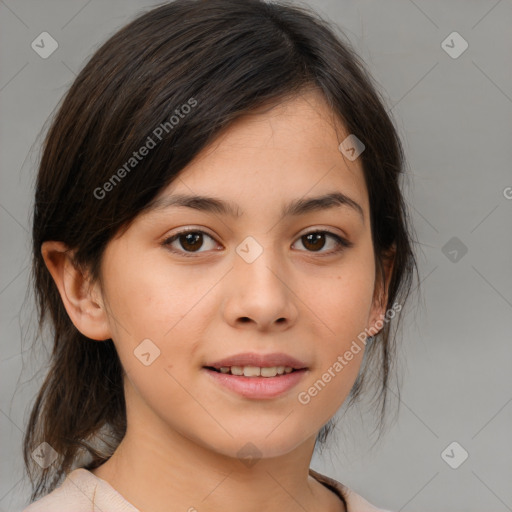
{"points": [[261, 444]]}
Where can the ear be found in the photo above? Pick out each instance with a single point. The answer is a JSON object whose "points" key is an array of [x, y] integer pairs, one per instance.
{"points": [[380, 296], [83, 300]]}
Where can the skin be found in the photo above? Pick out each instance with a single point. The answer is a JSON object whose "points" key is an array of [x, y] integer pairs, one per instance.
{"points": [[184, 431]]}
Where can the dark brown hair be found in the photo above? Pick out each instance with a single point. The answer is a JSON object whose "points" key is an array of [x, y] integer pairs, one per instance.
{"points": [[229, 56]]}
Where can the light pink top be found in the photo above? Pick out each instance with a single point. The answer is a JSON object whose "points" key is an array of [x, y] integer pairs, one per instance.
{"points": [[82, 491]]}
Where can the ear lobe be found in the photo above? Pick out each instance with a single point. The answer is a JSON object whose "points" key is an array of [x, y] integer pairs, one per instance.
{"points": [[82, 299]]}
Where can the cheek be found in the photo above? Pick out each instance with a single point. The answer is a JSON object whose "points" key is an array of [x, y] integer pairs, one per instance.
{"points": [[343, 303], [150, 298], [343, 300]]}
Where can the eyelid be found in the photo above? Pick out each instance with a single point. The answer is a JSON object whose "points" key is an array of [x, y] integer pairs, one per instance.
{"points": [[324, 229], [341, 240], [187, 229], [183, 231]]}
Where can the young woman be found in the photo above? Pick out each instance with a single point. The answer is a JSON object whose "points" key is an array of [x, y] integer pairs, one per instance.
{"points": [[221, 245]]}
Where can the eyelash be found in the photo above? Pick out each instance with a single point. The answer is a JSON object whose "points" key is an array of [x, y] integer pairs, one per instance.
{"points": [[341, 242]]}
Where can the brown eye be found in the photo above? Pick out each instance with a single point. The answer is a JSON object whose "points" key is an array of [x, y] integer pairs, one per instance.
{"points": [[315, 241], [190, 242]]}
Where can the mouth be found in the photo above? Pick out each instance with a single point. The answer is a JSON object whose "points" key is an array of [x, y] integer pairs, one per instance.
{"points": [[252, 364], [254, 382], [257, 376], [255, 371]]}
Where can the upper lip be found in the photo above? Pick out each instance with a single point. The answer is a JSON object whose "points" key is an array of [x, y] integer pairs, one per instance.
{"points": [[260, 360]]}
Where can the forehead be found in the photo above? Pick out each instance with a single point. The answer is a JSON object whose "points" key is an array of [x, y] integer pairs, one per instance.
{"points": [[305, 117], [275, 153]]}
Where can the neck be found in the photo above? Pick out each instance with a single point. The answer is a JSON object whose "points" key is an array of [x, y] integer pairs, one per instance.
{"points": [[156, 468]]}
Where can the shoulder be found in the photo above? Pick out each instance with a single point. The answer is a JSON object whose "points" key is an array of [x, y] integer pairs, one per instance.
{"points": [[75, 491], [353, 501], [81, 491]]}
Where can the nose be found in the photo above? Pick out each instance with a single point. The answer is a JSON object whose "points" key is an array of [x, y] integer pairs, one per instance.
{"points": [[260, 294]]}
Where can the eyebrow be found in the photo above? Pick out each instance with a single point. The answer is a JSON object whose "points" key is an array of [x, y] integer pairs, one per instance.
{"points": [[296, 207]]}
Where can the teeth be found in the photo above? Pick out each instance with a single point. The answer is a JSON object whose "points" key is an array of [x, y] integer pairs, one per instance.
{"points": [[251, 371], [269, 372], [237, 370], [256, 371]]}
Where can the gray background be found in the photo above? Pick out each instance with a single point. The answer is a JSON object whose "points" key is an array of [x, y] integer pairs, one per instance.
{"points": [[455, 118]]}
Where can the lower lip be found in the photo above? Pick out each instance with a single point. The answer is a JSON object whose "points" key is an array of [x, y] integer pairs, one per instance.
{"points": [[259, 388]]}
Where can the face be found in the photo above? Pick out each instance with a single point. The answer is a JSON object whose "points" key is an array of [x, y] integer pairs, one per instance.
{"points": [[187, 287]]}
